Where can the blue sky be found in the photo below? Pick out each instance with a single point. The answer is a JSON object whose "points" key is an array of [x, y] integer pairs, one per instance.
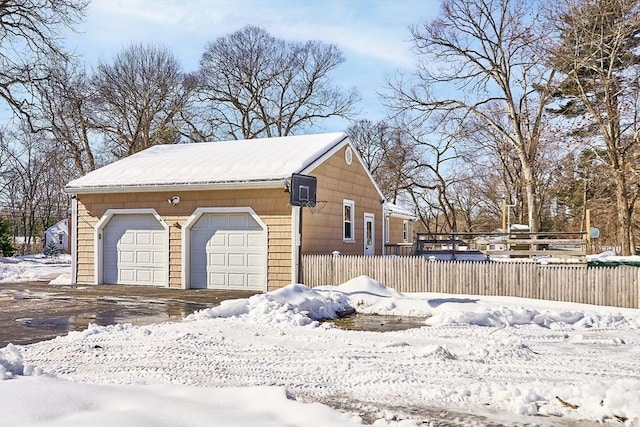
{"points": [[373, 35]]}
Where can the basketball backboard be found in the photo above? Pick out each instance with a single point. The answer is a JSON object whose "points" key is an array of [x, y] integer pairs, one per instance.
{"points": [[303, 190]]}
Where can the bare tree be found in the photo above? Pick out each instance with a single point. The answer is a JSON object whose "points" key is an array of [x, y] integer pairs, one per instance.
{"points": [[597, 53], [32, 178], [66, 109], [437, 175], [480, 59], [389, 154], [29, 38], [259, 86], [140, 97]]}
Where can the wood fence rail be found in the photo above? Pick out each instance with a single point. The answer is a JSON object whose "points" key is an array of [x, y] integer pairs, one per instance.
{"points": [[613, 286]]}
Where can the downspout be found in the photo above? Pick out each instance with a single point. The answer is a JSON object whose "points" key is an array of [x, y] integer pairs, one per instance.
{"points": [[295, 243], [383, 245], [73, 236]]}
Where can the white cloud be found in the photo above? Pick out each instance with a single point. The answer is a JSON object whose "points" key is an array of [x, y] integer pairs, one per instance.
{"points": [[373, 35], [375, 30]]}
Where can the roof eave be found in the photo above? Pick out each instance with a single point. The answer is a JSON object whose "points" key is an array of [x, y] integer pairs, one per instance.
{"points": [[402, 216], [271, 183]]}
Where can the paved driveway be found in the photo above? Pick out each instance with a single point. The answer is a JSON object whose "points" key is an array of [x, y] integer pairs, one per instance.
{"points": [[36, 311]]}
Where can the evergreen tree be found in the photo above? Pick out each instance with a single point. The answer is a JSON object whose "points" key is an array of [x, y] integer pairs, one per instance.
{"points": [[6, 246]]}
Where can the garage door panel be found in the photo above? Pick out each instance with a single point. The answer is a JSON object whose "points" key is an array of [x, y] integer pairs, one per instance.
{"points": [[135, 250], [126, 238], [143, 238], [143, 257], [217, 239], [127, 257], [235, 248], [236, 280], [159, 257], [254, 260], [127, 275], [236, 239], [144, 276], [254, 280], [217, 279], [255, 240], [236, 260]]}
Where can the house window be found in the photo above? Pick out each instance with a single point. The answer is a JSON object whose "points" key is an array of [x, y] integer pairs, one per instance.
{"points": [[405, 231], [348, 214]]}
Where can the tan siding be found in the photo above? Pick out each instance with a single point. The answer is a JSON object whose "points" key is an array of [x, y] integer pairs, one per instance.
{"points": [[395, 230], [322, 234], [279, 252], [270, 204], [86, 225]]}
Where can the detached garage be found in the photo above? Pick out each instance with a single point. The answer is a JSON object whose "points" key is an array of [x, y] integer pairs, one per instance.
{"points": [[218, 215]]}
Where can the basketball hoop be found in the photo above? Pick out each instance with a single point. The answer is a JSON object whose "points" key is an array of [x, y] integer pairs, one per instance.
{"points": [[315, 207]]}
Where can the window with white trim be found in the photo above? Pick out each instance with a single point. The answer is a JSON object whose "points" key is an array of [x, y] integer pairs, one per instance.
{"points": [[405, 231], [348, 215]]}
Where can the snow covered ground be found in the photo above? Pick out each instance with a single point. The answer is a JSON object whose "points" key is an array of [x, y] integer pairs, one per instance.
{"points": [[30, 268], [268, 360]]}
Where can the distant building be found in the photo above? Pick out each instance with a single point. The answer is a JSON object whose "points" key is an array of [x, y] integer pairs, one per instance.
{"points": [[59, 235]]}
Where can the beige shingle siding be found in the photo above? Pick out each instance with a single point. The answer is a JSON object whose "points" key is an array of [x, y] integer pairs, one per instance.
{"points": [[395, 230], [322, 234], [272, 205]]}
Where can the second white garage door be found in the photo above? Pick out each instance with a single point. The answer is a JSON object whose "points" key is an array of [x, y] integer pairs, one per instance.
{"points": [[228, 251]]}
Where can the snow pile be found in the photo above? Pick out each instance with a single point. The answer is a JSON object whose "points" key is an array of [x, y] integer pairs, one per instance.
{"points": [[295, 304], [12, 364], [515, 316], [612, 257], [367, 295], [370, 296], [54, 403], [601, 401], [63, 279], [34, 268], [95, 329]]}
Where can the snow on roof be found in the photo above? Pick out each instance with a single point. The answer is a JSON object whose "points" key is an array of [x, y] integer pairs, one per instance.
{"points": [[209, 164], [60, 226], [396, 210]]}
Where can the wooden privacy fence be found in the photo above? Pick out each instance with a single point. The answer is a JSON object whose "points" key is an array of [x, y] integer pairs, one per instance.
{"points": [[613, 286]]}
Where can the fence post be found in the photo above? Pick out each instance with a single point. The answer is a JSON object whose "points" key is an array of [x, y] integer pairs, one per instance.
{"points": [[334, 267]]}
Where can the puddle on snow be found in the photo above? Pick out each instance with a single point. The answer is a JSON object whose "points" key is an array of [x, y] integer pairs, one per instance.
{"points": [[112, 312], [378, 322], [58, 324]]}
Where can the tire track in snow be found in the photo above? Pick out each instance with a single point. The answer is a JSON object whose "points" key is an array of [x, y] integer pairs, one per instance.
{"points": [[417, 370]]}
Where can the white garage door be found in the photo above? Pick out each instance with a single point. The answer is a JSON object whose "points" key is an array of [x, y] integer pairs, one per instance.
{"points": [[228, 251], [135, 251]]}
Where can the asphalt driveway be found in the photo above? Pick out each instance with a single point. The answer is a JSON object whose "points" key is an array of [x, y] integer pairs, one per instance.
{"points": [[36, 311]]}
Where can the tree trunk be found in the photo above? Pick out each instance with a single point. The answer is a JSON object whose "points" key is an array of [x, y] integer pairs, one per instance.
{"points": [[532, 197], [624, 213]]}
